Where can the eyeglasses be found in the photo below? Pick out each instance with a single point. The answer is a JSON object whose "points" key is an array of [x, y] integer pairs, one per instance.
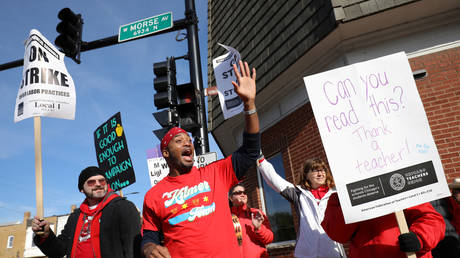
{"points": [[92, 182], [319, 171], [239, 192]]}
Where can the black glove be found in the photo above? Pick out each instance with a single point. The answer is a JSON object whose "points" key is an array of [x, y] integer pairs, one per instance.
{"points": [[408, 242]]}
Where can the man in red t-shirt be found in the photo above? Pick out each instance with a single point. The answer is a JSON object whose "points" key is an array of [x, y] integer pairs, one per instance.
{"points": [[190, 205]]}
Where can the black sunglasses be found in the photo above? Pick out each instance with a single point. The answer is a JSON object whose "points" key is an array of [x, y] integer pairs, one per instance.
{"points": [[239, 192]]}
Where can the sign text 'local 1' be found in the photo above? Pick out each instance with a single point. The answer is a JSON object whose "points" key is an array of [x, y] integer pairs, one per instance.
{"points": [[145, 27]]}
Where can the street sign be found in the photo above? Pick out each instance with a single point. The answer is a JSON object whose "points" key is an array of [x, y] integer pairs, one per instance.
{"points": [[145, 27]]}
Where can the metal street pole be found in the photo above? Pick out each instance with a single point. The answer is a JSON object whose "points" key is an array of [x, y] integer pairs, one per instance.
{"points": [[201, 140]]}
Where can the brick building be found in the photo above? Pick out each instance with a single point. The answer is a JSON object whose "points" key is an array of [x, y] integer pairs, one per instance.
{"points": [[288, 40]]}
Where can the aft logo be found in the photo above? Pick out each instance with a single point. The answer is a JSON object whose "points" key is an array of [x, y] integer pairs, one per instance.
{"points": [[397, 182]]}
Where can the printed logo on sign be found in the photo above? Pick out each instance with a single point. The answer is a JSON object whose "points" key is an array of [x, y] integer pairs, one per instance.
{"points": [[20, 108], [392, 183], [397, 182], [231, 103]]}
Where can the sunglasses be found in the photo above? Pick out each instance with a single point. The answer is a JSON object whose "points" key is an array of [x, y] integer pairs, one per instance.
{"points": [[239, 192], [92, 182]]}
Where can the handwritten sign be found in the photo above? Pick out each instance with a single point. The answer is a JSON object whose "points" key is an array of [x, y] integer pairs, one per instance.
{"points": [[112, 153], [46, 89], [230, 102], [377, 137]]}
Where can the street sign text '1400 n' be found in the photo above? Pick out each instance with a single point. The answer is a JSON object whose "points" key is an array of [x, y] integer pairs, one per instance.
{"points": [[145, 27]]}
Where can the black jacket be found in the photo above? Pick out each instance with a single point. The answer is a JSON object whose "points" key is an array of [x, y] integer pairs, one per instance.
{"points": [[119, 232]]}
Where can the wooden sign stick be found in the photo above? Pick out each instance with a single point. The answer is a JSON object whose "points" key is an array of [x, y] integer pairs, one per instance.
{"points": [[402, 224], [38, 166]]}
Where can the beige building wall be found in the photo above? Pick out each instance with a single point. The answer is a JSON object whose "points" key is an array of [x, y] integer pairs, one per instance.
{"points": [[18, 232], [21, 232]]}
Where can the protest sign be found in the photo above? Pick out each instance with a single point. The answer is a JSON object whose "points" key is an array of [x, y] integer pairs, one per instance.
{"points": [[112, 153], [158, 168], [230, 102], [377, 137], [46, 89]]}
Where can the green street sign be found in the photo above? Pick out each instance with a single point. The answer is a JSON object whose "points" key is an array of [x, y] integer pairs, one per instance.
{"points": [[145, 27]]}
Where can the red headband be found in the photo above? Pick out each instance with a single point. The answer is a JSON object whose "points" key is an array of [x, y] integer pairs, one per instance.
{"points": [[169, 135]]}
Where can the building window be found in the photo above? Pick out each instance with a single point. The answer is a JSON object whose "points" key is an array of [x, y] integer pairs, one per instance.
{"points": [[9, 244], [277, 208]]}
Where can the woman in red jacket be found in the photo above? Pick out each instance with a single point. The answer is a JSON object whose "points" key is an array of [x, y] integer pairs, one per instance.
{"points": [[256, 230], [380, 237]]}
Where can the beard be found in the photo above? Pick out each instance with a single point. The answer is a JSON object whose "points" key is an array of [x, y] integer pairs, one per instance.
{"points": [[95, 194], [183, 168], [177, 163]]}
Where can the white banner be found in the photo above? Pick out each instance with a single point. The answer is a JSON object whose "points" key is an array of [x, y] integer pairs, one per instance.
{"points": [[158, 168], [230, 102], [377, 137], [47, 89]]}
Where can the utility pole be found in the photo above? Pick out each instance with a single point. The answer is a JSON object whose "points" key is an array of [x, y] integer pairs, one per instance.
{"points": [[201, 140]]}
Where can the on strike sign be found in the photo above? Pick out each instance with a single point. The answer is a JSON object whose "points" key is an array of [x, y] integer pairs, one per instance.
{"points": [[46, 89], [377, 137], [112, 153]]}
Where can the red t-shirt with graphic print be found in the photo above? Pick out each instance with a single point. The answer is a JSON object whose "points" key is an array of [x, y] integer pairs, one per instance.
{"points": [[193, 213]]}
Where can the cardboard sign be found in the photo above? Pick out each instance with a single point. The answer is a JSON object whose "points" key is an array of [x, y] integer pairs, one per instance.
{"points": [[230, 102], [377, 137], [158, 168], [112, 153], [46, 89]]}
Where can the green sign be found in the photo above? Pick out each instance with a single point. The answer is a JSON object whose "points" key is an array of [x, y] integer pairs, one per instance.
{"points": [[145, 27]]}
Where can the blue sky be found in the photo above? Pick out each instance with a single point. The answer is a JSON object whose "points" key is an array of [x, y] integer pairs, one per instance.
{"points": [[108, 80]]}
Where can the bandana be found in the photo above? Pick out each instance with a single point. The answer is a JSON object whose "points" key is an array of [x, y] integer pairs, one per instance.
{"points": [[169, 135]]}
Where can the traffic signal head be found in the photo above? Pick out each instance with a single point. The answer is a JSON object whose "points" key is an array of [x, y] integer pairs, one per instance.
{"points": [[165, 96], [167, 118], [187, 109], [70, 33], [165, 83]]}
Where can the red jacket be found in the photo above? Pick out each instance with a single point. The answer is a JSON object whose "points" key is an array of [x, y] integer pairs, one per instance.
{"points": [[253, 242], [378, 237]]}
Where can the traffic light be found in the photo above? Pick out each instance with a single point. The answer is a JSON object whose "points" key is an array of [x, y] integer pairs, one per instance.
{"points": [[165, 83], [187, 107], [166, 95], [70, 32]]}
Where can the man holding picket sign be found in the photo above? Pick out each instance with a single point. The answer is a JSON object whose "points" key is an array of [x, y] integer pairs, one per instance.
{"points": [[383, 158], [105, 225]]}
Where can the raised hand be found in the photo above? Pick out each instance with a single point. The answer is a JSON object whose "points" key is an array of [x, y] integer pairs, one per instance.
{"points": [[246, 86]]}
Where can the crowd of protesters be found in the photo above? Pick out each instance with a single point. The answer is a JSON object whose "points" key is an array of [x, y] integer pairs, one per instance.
{"points": [[203, 212]]}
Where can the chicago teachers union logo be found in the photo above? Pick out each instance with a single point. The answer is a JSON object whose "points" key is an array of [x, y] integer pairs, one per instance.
{"points": [[397, 182]]}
